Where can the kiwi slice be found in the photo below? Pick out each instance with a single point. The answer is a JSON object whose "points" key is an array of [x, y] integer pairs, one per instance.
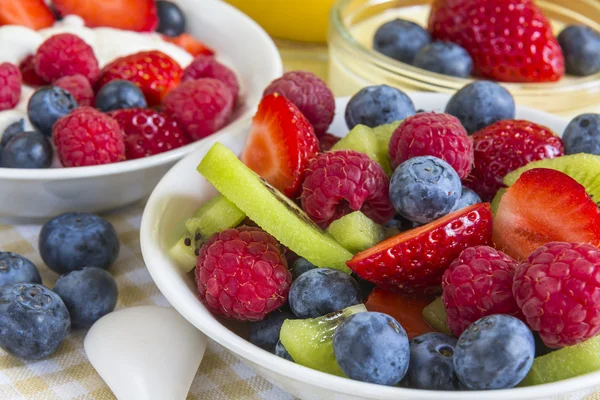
{"points": [[183, 252], [271, 210], [435, 315], [214, 216], [310, 341], [384, 133], [584, 168], [356, 232], [362, 139], [496, 201], [565, 363]]}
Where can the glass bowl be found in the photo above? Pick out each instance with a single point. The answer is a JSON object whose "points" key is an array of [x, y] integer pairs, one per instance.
{"points": [[353, 64]]}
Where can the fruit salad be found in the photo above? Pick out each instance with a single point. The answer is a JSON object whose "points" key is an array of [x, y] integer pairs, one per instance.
{"points": [[88, 85], [442, 251]]}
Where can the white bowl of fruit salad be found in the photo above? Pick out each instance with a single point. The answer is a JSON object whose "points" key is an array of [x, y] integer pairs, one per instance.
{"points": [[407, 259], [98, 104]]}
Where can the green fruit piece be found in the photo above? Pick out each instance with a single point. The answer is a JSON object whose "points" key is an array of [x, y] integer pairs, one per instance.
{"points": [[183, 252], [310, 341], [362, 139], [214, 216], [271, 210], [565, 363], [496, 201], [384, 133], [356, 232], [584, 168], [435, 315]]}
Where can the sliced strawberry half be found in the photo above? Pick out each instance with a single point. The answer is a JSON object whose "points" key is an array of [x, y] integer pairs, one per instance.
{"points": [[280, 144], [133, 15], [189, 44], [33, 14], [543, 206], [414, 261]]}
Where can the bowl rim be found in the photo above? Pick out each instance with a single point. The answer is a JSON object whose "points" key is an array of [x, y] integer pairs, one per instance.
{"points": [[274, 68]]}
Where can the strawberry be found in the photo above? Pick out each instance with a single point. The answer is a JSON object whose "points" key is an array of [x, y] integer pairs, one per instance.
{"points": [[414, 261], [505, 146], [153, 71], [543, 206], [133, 15], [280, 144], [189, 44], [509, 40], [34, 14]]}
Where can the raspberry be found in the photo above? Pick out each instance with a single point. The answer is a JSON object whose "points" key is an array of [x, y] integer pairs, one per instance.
{"points": [[88, 137], [10, 86], [205, 66], [202, 107], [64, 55], [339, 182], [242, 274], [148, 132], [310, 94], [30, 77], [477, 284], [557, 290], [431, 134], [79, 87], [327, 141]]}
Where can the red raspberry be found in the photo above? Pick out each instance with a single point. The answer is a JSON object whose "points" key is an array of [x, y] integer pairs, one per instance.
{"points": [[431, 134], [205, 66], [64, 55], [30, 77], [242, 274], [310, 94], [505, 146], [339, 182], [148, 132], [10, 86], [477, 284], [202, 107], [79, 87], [558, 289], [327, 141], [88, 137]]}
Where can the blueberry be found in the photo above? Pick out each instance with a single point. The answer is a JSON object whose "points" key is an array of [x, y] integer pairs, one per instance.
{"points": [[582, 135], [402, 224], [120, 94], [15, 268], [12, 130], [467, 198], [366, 287], [300, 266], [281, 351], [480, 104], [431, 362], [47, 105], [400, 40], [494, 352], [33, 321], [89, 294], [171, 20], [372, 347], [73, 241], [321, 291], [378, 105], [423, 189], [27, 150], [445, 58], [581, 46], [265, 333]]}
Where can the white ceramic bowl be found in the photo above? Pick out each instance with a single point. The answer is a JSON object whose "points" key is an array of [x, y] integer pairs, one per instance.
{"points": [[238, 40], [183, 190]]}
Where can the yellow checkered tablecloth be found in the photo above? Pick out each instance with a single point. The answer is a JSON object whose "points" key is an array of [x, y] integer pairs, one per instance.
{"points": [[67, 375]]}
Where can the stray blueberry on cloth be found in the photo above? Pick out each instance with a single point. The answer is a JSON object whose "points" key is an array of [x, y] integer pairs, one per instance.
{"points": [[15, 268]]}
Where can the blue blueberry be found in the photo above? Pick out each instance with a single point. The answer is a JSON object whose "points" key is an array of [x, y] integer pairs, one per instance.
{"points": [[15, 268], [321, 291], [27, 150], [445, 58], [467, 198], [300, 266], [431, 362], [89, 294], [423, 189], [582, 135], [12, 130], [402, 224], [265, 333], [73, 241], [494, 352], [480, 104], [33, 321], [400, 40], [120, 94], [378, 105], [47, 105], [581, 46], [366, 287], [372, 347], [171, 20], [281, 351]]}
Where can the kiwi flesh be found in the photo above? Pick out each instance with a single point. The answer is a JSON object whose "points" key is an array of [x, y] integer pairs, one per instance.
{"points": [[214, 216], [435, 315], [184, 252], [362, 139], [356, 232], [496, 201]]}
